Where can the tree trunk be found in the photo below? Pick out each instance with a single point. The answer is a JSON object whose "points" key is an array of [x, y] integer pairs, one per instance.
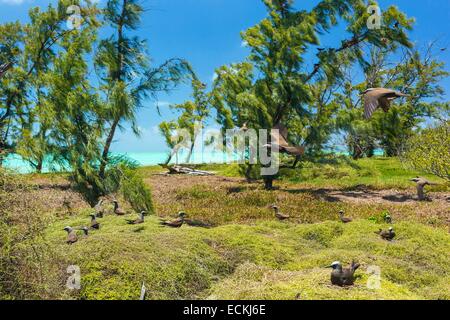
{"points": [[106, 149], [268, 182]]}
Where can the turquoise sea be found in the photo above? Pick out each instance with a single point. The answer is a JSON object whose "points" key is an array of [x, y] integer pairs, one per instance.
{"points": [[16, 163]]}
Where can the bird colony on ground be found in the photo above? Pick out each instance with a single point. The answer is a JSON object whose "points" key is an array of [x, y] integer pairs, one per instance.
{"points": [[374, 98]]}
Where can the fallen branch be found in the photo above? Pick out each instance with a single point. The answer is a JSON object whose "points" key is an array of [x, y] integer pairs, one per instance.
{"points": [[185, 170]]}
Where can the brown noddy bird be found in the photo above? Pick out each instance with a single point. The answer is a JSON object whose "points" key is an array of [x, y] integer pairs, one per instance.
{"points": [[99, 210], [85, 231], [421, 183], [343, 276], [388, 218], [117, 209], [279, 141], [387, 235], [71, 235], [344, 219], [138, 220], [94, 223], [197, 223], [177, 223], [280, 216], [379, 97]]}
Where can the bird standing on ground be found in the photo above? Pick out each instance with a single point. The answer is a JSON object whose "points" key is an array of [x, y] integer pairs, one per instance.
{"points": [[388, 218], [117, 209], [387, 235], [94, 223], [379, 97], [197, 223], [344, 219], [421, 183], [138, 220], [343, 276], [71, 235], [85, 231], [99, 210], [177, 223], [280, 216], [5, 67]]}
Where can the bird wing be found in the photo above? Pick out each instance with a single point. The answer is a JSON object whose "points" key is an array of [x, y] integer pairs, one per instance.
{"points": [[296, 151], [370, 103], [376, 96], [280, 137]]}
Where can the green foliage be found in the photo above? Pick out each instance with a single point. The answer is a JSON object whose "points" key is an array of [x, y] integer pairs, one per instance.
{"points": [[429, 151]]}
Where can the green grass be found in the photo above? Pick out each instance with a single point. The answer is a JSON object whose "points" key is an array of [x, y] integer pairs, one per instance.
{"points": [[248, 255], [266, 260], [376, 173]]}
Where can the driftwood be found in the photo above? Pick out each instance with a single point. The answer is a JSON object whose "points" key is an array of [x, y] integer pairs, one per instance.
{"points": [[176, 169]]}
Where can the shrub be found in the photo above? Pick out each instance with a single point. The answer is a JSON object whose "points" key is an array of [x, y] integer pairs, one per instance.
{"points": [[429, 151]]}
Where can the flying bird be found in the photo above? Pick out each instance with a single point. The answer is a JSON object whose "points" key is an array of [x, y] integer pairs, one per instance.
{"points": [[5, 67], [379, 97], [71, 235], [177, 223], [279, 141], [344, 219], [421, 183], [343, 276], [138, 220], [386, 234], [280, 216], [117, 209], [94, 223]]}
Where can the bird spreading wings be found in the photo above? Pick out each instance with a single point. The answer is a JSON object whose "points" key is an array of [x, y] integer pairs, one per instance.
{"points": [[280, 139], [379, 97], [4, 67]]}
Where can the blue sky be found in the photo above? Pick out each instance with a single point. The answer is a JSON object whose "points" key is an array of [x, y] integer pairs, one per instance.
{"points": [[207, 34]]}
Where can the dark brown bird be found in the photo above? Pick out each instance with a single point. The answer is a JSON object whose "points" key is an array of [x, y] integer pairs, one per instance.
{"points": [[379, 97], [387, 234], [344, 219], [138, 220], [85, 231], [94, 223], [71, 235], [5, 67], [99, 210], [388, 218], [177, 223], [117, 209], [280, 216], [244, 127], [343, 276], [197, 223], [279, 141], [421, 183]]}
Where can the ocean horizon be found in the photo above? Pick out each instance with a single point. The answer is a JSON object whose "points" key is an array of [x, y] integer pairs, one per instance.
{"points": [[17, 163]]}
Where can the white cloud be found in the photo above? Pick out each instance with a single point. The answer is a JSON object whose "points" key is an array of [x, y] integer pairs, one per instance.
{"points": [[244, 43]]}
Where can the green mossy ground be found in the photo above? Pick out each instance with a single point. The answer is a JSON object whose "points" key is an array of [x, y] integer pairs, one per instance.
{"points": [[248, 254]]}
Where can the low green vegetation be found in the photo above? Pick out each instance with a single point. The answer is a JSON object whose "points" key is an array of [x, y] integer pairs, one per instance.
{"points": [[246, 255]]}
